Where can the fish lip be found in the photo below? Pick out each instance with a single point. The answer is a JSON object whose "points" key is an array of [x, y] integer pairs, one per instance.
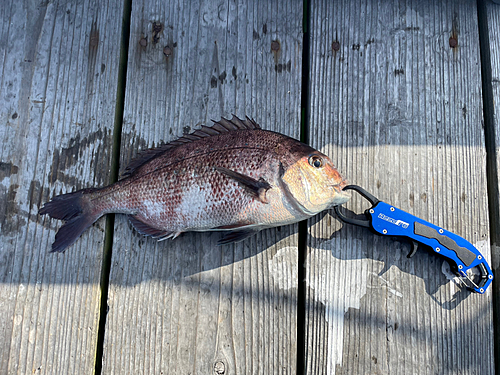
{"points": [[339, 189]]}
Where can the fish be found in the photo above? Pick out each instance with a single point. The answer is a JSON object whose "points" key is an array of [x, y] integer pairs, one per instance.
{"points": [[233, 177]]}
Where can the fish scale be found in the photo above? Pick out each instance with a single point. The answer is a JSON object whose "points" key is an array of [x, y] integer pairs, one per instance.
{"points": [[204, 198], [232, 177]]}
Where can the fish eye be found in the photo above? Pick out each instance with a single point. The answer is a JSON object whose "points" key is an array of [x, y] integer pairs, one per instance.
{"points": [[316, 161]]}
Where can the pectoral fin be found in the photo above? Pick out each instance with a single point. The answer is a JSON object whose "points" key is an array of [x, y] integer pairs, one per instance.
{"points": [[256, 188]]}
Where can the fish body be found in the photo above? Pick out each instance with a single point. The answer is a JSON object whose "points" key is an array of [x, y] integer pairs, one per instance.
{"points": [[233, 177]]}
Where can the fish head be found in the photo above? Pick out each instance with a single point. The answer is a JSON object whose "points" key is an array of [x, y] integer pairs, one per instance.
{"points": [[314, 182]]}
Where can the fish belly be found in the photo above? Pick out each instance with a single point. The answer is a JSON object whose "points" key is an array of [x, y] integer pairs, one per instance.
{"points": [[209, 203]]}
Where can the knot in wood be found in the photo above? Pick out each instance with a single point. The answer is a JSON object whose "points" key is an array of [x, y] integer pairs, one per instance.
{"points": [[94, 40], [219, 368], [167, 51], [157, 27]]}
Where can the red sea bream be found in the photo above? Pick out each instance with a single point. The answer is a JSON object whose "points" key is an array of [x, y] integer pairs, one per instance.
{"points": [[233, 177]]}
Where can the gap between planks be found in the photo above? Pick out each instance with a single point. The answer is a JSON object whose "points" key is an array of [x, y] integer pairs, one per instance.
{"points": [[302, 238], [115, 167], [491, 162]]}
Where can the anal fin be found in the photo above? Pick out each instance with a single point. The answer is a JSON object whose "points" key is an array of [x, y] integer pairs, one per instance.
{"points": [[148, 230], [256, 188], [239, 224], [236, 236]]}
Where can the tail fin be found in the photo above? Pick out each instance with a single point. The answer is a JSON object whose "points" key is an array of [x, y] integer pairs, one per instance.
{"points": [[74, 208]]}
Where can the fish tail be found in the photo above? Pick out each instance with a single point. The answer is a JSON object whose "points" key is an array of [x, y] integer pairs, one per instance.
{"points": [[77, 210]]}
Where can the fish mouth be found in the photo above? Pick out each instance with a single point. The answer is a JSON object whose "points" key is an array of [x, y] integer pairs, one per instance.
{"points": [[342, 196], [339, 188]]}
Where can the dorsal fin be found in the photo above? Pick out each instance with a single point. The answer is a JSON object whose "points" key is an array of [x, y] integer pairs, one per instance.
{"points": [[219, 127]]}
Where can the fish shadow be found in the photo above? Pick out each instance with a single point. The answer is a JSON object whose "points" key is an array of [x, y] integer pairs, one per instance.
{"points": [[194, 254], [137, 258], [350, 242]]}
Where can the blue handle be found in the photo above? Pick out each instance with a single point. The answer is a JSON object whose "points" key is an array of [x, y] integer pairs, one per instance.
{"points": [[460, 253]]}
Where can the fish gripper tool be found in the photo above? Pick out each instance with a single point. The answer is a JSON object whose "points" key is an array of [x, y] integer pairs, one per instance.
{"points": [[384, 219]]}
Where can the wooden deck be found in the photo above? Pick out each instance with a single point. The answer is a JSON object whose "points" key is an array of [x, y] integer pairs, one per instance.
{"points": [[403, 96]]}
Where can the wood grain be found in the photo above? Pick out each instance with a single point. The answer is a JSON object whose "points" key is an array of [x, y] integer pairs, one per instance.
{"points": [[395, 106], [189, 306], [400, 111], [489, 17], [493, 14], [492, 102], [58, 87]]}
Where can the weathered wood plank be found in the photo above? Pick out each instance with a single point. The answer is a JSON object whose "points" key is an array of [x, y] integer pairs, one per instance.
{"points": [[490, 18], [400, 112], [189, 306], [59, 65]]}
